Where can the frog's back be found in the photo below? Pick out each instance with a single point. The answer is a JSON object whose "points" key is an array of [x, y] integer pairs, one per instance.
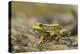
{"points": [[52, 27]]}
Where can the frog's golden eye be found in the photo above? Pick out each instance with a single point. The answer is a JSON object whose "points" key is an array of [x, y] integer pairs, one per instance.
{"points": [[40, 25], [44, 27]]}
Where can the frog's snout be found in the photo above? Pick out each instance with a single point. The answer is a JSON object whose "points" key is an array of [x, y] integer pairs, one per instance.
{"points": [[36, 27]]}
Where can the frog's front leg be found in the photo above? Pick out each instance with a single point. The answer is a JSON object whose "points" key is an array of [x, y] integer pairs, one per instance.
{"points": [[41, 40]]}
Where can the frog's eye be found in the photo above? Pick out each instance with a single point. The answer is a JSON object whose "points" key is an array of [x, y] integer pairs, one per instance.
{"points": [[44, 26], [40, 25]]}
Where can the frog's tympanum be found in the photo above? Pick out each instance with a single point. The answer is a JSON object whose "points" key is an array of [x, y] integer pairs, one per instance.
{"points": [[49, 31]]}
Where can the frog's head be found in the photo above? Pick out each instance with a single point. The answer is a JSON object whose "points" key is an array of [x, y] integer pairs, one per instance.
{"points": [[37, 26]]}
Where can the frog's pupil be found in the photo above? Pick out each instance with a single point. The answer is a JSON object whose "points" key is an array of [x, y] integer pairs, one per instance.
{"points": [[40, 25]]}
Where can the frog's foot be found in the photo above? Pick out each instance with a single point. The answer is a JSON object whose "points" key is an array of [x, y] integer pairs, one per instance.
{"points": [[40, 42]]}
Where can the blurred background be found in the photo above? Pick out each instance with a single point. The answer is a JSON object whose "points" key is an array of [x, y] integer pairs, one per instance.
{"points": [[26, 14], [30, 13]]}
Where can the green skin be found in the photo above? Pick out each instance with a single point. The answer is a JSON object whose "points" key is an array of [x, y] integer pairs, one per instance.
{"points": [[47, 30]]}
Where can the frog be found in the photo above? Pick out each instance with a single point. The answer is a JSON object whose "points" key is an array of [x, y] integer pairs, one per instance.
{"points": [[49, 31]]}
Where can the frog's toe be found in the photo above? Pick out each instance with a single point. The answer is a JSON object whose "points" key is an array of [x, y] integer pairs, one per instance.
{"points": [[40, 42]]}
